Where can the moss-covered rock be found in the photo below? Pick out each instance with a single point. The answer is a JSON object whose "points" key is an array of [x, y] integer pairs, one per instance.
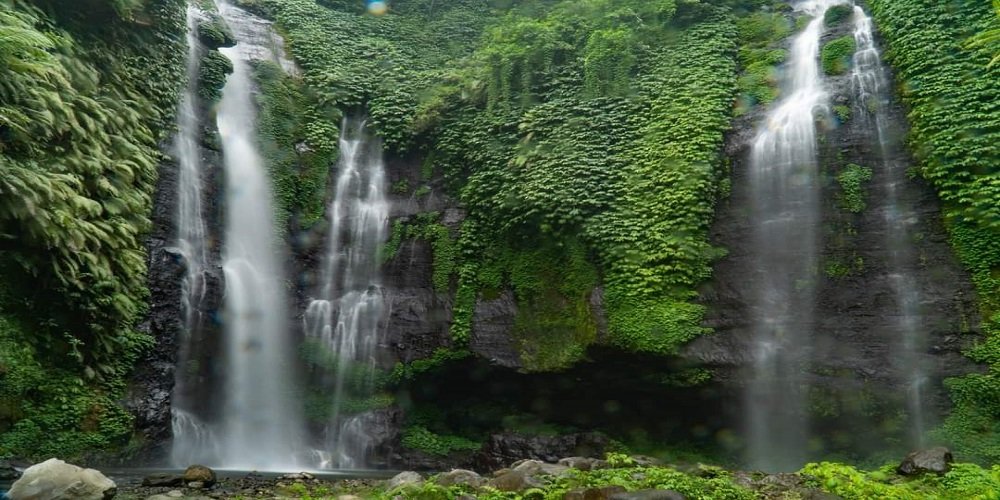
{"points": [[836, 55]]}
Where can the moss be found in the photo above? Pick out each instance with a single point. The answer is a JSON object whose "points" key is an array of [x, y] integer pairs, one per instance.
{"points": [[836, 55], [852, 180], [214, 33], [843, 112], [837, 14], [212, 75], [419, 438]]}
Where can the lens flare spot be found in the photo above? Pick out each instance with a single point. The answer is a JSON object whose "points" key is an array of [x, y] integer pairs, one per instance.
{"points": [[377, 8]]}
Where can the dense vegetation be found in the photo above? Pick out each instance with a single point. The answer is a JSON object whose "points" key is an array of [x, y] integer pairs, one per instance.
{"points": [[954, 102], [80, 123]]}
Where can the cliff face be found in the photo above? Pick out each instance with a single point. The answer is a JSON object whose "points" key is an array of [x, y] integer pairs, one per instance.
{"points": [[855, 377]]}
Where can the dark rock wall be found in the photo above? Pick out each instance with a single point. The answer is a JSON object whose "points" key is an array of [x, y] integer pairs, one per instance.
{"points": [[856, 345]]}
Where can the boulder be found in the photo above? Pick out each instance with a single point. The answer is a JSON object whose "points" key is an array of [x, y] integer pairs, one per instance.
{"points": [[200, 474], [54, 479], [502, 449], [162, 480], [581, 463], [648, 495], [460, 476], [516, 481], [937, 460], [537, 468], [407, 478], [602, 493]]}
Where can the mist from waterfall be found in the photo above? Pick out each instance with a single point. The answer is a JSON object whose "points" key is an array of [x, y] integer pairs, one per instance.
{"points": [[872, 95], [260, 424], [346, 315], [784, 187], [191, 436]]}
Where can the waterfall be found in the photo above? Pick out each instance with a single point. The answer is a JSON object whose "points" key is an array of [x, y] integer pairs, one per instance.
{"points": [[190, 436], [784, 186], [871, 105], [260, 426], [346, 314]]}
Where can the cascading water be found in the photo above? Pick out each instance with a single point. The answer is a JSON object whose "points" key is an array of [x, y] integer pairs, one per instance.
{"points": [[191, 437], [347, 313], [784, 188], [871, 104], [260, 426]]}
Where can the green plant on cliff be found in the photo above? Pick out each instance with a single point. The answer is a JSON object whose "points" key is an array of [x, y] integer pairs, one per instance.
{"points": [[80, 121], [836, 55], [952, 110], [852, 180]]}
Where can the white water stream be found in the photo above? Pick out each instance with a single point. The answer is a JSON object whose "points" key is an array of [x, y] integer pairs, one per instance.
{"points": [[260, 424], [872, 95], [785, 216], [349, 309]]}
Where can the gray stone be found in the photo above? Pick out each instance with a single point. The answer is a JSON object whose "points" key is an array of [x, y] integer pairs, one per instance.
{"points": [[201, 474], [406, 478], [163, 479], [8, 472], [175, 494], [648, 495], [936, 460], [515, 481], [197, 485], [460, 477], [581, 463], [54, 479]]}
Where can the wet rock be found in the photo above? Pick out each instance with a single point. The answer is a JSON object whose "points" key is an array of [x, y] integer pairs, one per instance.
{"points": [[649, 495], [407, 478], [175, 494], [460, 477], [163, 479], [537, 468], [197, 485], [645, 461], [8, 472], [937, 460], [603, 493], [492, 324], [581, 463], [199, 474], [55, 479], [502, 449], [298, 476], [516, 480]]}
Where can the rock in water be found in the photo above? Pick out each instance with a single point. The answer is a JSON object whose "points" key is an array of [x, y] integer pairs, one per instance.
{"points": [[937, 460], [54, 479], [200, 474]]}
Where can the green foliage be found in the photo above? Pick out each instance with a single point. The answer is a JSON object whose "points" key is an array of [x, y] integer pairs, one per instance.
{"points": [[837, 14], [951, 92], [990, 38], [212, 75], [407, 371], [299, 143], [761, 35], [852, 180], [214, 33], [419, 438], [843, 112], [964, 481], [443, 245], [836, 55]]}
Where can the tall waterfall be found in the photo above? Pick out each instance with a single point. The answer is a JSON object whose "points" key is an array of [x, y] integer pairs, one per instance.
{"points": [[191, 437], [260, 425], [346, 314], [784, 188], [871, 105]]}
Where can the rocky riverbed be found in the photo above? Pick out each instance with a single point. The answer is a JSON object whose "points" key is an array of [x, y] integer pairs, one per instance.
{"points": [[922, 474]]}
